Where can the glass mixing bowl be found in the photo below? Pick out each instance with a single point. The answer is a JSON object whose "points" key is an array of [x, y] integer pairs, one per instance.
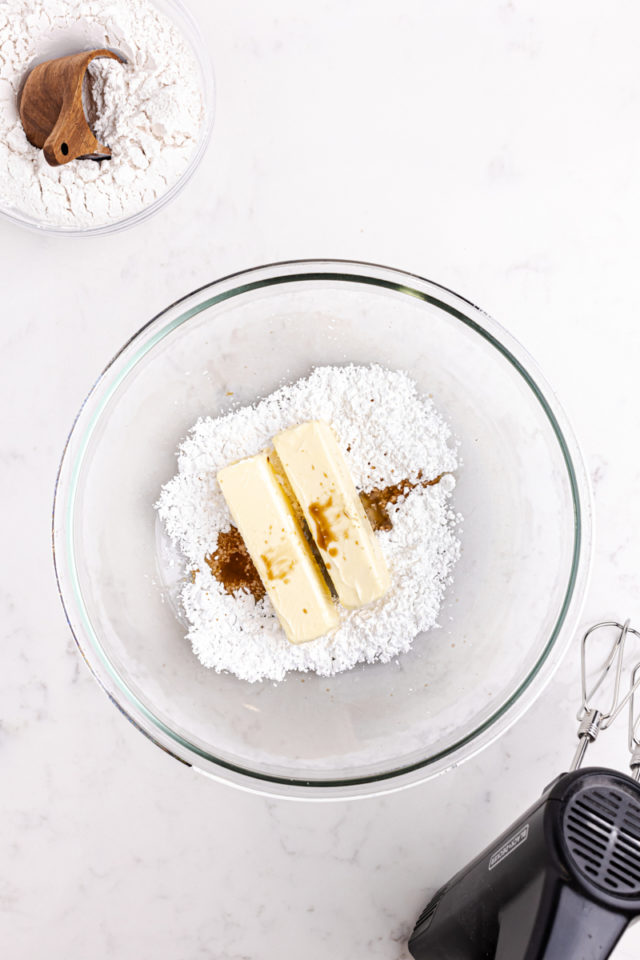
{"points": [[517, 589], [66, 42]]}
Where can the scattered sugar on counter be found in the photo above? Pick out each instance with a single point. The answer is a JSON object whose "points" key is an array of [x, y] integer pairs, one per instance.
{"points": [[388, 432]]}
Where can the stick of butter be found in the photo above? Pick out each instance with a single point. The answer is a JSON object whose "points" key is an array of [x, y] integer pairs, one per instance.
{"points": [[320, 478], [278, 549]]}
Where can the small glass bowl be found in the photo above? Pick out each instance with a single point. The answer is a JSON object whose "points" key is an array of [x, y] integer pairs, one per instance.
{"points": [[518, 586], [178, 13]]}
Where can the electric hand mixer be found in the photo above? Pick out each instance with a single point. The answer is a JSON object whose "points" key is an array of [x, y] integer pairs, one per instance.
{"points": [[563, 882]]}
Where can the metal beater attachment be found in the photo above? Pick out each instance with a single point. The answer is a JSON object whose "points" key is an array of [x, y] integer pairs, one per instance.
{"points": [[593, 719], [634, 724]]}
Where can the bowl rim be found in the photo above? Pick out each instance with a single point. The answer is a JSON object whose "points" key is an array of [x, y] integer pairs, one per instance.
{"points": [[193, 36], [501, 719]]}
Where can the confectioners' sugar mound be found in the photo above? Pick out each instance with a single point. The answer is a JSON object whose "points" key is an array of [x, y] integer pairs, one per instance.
{"points": [[148, 111], [388, 432]]}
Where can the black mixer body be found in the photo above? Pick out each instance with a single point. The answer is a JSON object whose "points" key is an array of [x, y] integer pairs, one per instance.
{"points": [[562, 883]]}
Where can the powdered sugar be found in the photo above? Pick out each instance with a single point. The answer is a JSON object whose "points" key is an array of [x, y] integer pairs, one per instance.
{"points": [[149, 110], [388, 432]]}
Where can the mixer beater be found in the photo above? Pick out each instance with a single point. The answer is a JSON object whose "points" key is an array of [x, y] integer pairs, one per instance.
{"points": [[563, 882]]}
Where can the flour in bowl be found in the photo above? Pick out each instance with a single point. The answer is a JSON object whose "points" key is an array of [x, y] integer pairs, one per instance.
{"points": [[393, 439], [149, 111]]}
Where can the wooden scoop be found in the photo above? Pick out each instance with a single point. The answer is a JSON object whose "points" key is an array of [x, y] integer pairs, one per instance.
{"points": [[52, 112]]}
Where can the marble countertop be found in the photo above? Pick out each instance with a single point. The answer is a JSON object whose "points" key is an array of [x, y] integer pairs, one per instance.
{"points": [[492, 147]]}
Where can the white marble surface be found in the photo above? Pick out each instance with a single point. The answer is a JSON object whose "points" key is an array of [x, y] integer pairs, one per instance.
{"points": [[493, 147]]}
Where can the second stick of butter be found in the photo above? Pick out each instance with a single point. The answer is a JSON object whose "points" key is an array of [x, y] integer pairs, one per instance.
{"points": [[320, 478]]}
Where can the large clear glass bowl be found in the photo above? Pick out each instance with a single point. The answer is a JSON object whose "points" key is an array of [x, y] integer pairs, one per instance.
{"points": [[518, 586]]}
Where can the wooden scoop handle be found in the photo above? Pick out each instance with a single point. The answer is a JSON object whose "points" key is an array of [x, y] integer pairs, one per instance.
{"points": [[52, 112]]}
